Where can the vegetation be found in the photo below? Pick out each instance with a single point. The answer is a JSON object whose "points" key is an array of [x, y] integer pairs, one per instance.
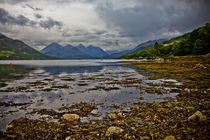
{"points": [[14, 50], [195, 43]]}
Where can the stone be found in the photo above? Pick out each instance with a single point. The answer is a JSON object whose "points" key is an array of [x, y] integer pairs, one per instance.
{"points": [[197, 116], [71, 117], [112, 116], [9, 126], [115, 115], [119, 114], [69, 138], [94, 112], [170, 138], [113, 130]]}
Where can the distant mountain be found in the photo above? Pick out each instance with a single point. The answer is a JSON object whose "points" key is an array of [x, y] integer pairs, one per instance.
{"points": [[67, 52], [15, 49], [110, 52], [136, 49], [71, 52], [96, 52]]}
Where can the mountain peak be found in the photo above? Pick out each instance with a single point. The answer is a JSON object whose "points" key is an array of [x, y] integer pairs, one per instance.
{"points": [[80, 45], [68, 45], [54, 44]]}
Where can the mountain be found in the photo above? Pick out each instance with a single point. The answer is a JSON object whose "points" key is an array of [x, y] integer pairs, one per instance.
{"points": [[96, 52], [193, 43], [15, 49], [110, 52], [71, 52], [67, 52], [136, 49]]}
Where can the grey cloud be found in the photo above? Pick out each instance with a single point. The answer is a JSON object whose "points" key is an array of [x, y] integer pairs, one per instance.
{"points": [[108, 43], [6, 18], [50, 23], [151, 19], [12, 1], [34, 8], [100, 32], [38, 16]]}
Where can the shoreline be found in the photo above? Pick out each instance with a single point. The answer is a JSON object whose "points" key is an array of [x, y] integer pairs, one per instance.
{"points": [[168, 119]]}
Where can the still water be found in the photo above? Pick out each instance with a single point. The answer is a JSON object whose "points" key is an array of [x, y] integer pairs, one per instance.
{"points": [[54, 84]]}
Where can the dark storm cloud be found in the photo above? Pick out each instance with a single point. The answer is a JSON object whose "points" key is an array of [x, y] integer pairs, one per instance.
{"points": [[155, 18], [6, 18], [50, 23]]}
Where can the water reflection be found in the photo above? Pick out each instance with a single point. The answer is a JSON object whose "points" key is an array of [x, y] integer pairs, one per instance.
{"points": [[72, 69], [52, 87]]}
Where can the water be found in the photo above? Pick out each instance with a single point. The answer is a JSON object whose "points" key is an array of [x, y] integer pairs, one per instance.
{"points": [[53, 84]]}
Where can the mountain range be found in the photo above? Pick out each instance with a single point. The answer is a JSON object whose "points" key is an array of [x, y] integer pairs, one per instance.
{"points": [[74, 52], [15, 49], [91, 52]]}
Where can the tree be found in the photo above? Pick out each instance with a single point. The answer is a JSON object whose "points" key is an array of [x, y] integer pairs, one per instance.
{"points": [[157, 47], [198, 47]]}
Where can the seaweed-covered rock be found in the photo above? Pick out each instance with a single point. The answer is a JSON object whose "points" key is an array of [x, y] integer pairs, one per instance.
{"points": [[33, 129], [71, 117], [115, 115], [113, 130], [197, 116], [170, 138], [112, 116]]}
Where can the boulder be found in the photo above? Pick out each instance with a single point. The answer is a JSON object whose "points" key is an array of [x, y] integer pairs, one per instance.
{"points": [[71, 117], [113, 130], [197, 116]]}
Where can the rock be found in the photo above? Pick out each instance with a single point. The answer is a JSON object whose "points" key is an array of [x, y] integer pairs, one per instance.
{"points": [[112, 116], [197, 116], [119, 114], [94, 112], [69, 138], [170, 138], [71, 117], [98, 119], [113, 130], [115, 115], [9, 126]]}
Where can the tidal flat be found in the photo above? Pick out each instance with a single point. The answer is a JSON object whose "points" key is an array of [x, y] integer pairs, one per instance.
{"points": [[105, 99]]}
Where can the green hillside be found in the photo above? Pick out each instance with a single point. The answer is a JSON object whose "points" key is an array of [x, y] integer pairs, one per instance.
{"points": [[17, 50], [196, 42]]}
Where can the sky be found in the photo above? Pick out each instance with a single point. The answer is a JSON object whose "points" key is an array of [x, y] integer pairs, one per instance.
{"points": [[109, 24]]}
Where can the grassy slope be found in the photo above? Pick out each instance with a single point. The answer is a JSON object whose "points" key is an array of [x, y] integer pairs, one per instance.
{"points": [[14, 50]]}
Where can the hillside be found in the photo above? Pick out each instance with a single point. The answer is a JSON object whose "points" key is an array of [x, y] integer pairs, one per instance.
{"points": [[17, 50], [71, 52], [196, 42], [136, 49]]}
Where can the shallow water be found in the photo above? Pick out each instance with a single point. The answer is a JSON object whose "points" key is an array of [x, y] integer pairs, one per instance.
{"points": [[54, 84]]}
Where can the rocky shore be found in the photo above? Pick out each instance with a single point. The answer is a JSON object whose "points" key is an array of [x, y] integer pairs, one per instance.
{"points": [[185, 117]]}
